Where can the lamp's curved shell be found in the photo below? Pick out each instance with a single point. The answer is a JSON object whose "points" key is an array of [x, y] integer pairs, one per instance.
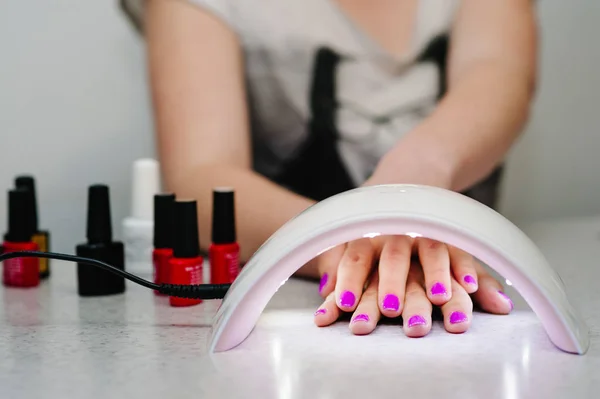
{"points": [[436, 213]]}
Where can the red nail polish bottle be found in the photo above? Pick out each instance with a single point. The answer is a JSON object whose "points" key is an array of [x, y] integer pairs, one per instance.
{"points": [[40, 237], [186, 264], [20, 272], [163, 237], [224, 252]]}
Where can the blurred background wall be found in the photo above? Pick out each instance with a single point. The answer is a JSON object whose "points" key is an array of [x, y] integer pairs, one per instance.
{"points": [[74, 110]]}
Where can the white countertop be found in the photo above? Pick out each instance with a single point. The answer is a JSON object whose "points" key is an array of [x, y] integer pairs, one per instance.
{"points": [[54, 344]]}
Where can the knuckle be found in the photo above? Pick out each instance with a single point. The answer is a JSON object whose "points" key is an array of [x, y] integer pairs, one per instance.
{"points": [[397, 250], [431, 245], [357, 256], [396, 254]]}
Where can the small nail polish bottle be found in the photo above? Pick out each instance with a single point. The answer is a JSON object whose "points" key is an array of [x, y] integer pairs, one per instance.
{"points": [[93, 281], [40, 237], [139, 226], [163, 237], [20, 272], [224, 251], [186, 264]]}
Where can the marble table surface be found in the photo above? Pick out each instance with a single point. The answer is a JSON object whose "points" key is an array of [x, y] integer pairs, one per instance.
{"points": [[54, 344]]}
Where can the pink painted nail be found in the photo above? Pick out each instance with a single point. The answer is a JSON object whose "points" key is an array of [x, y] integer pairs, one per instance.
{"points": [[360, 317], [347, 299], [469, 279], [320, 311], [391, 302], [323, 282], [503, 295], [438, 289], [458, 317], [416, 320]]}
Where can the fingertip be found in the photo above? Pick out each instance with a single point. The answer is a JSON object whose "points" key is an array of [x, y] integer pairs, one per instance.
{"points": [[362, 324], [327, 264], [508, 303], [469, 283], [417, 326], [438, 294], [347, 301], [326, 315], [390, 306], [320, 317], [324, 289], [492, 299], [457, 321]]}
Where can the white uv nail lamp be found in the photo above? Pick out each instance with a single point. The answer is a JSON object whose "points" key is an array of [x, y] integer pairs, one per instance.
{"points": [[426, 211]]}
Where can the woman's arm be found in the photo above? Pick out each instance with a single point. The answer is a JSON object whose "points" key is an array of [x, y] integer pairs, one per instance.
{"points": [[491, 82], [198, 95]]}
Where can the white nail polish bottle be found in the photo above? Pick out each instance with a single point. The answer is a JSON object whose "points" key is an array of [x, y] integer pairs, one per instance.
{"points": [[138, 228]]}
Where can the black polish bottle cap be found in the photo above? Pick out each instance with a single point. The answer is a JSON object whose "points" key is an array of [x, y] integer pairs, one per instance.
{"points": [[186, 244], [99, 226], [223, 222], [19, 218], [28, 182], [164, 205]]}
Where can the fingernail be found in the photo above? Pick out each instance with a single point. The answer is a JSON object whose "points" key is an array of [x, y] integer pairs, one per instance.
{"points": [[320, 311], [323, 282], [360, 317], [469, 279], [458, 317], [416, 320], [503, 295], [347, 299], [391, 302], [438, 289]]}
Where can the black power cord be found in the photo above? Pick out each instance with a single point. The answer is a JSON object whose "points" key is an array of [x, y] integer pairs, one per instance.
{"points": [[199, 291]]}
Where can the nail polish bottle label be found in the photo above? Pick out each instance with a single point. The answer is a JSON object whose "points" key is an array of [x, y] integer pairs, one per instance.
{"points": [[233, 264], [224, 263], [185, 272], [195, 274]]}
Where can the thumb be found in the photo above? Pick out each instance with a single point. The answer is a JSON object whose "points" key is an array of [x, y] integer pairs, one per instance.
{"points": [[327, 266]]}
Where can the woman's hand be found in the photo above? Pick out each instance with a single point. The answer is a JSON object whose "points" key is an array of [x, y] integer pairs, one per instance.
{"points": [[402, 276]]}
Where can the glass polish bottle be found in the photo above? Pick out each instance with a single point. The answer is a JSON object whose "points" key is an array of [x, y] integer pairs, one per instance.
{"points": [[186, 265], [163, 237], [20, 272], [224, 251], [138, 227], [40, 237], [93, 281]]}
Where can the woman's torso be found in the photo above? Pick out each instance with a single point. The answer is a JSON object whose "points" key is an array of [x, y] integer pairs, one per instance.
{"points": [[378, 96], [327, 99]]}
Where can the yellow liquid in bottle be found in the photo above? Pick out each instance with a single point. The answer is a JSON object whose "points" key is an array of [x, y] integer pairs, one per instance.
{"points": [[42, 242]]}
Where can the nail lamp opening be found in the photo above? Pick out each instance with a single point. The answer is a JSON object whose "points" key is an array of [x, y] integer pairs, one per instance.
{"points": [[431, 212]]}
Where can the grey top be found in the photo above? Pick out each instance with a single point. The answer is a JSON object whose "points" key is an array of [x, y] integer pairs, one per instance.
{"points": [[56, 345], [376, 99], [326, 101]]}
